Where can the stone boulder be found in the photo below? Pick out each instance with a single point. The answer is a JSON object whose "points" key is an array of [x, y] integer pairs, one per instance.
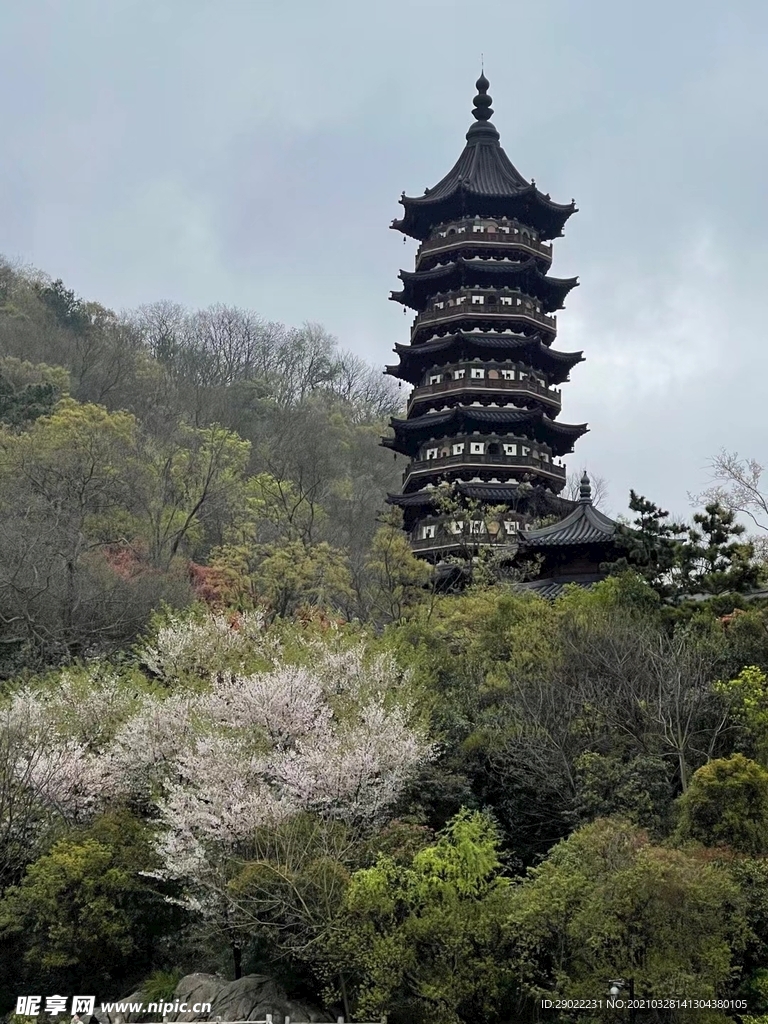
{"points": [[248, 998]]}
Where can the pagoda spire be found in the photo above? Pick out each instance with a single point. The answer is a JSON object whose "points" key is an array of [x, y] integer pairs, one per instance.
{"points": [[482, 130], [482, 109]]}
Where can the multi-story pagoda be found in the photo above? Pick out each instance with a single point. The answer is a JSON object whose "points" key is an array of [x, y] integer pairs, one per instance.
{"points": [[483, 414]]}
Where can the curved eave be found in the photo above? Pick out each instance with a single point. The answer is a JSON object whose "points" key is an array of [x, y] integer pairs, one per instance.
{"points": [[421, 285], [423, 213], [416, 359], [410, 433], [585, 525]]}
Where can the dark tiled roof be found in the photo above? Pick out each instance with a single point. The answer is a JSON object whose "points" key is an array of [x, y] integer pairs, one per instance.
{"points": [[415, 359], [485, 172], [421, 284], [410, 432], [585, 525], [549, 589]]}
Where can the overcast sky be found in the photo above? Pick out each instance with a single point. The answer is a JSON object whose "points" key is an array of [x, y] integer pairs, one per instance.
{"points": [[253, 152]]}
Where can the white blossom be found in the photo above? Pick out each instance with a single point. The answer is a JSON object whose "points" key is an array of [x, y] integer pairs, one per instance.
{"points": [[188, 647]]}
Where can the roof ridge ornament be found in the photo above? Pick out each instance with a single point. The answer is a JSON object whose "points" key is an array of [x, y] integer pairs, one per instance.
{"points": [[482, 130], [585, 490], [482, 110]]}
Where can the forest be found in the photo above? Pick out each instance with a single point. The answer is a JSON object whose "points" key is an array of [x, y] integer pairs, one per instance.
{"points": [[243, 731]]}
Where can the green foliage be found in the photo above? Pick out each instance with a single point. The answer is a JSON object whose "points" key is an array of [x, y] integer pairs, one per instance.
{"points": [[83, 913], [746, 697], [427, 938], [398, 579], [638, 789], [727, 804], [607, 903], [709, 557], [160, 986], [652, 544]]}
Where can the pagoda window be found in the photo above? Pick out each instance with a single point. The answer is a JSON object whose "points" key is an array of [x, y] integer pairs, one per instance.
{"points": [[456, 527], [434, 378], [460, 374], [439, 305], [427, 532], [478, 300], [538, 309], [544, 456], [476, 526], [476, 447], [504, 228], [477, 373], [442, 234], [458, 448], [431, 453], [508, 374], [461, 231], [460, 299], [506, 300], [524, 450], [478, 228], [518, 302], [510, 449], [511, 525]]}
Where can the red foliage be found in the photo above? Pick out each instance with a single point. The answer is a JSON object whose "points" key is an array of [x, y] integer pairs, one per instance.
{"points": [[210, 586]]}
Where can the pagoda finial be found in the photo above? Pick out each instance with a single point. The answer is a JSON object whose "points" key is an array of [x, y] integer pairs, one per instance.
{"points": [[585, 490], [482, 110]]}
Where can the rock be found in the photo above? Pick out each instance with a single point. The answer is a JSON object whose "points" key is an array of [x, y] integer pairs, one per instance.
{"points": [[248, 998]]}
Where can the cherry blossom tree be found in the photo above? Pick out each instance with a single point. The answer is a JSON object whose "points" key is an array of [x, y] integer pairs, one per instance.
{"points": [[216, 754]]}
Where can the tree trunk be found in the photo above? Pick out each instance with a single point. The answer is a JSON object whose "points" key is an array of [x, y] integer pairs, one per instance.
{"points": [[237, 957]]}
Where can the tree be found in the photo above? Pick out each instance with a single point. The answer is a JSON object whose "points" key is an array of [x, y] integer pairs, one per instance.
{"points": [[178, 483], [70, 502], [652, 544], [427, 939], [607, 903], [85, 912], [727, 804], [716, 558], [398, 579], [738, 487]]}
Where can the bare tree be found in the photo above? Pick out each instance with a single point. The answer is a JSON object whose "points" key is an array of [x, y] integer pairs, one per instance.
{"points": [[738, 487]]}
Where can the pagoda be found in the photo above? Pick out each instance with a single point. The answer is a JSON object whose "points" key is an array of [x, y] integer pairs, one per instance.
{"points": [[483, 416]]}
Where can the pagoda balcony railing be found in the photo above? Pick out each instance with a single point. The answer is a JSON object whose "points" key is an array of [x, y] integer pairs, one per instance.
{"points": [[468, 543], [517, 387], [501, 462], [497, 314], [483, 238]]}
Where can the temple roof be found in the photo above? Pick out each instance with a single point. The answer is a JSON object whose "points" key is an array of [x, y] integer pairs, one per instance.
{"points": [[492, 493], [551, 587], [482, 181], [415, 360], [411, 433], [585, 525], [421, 285]]}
